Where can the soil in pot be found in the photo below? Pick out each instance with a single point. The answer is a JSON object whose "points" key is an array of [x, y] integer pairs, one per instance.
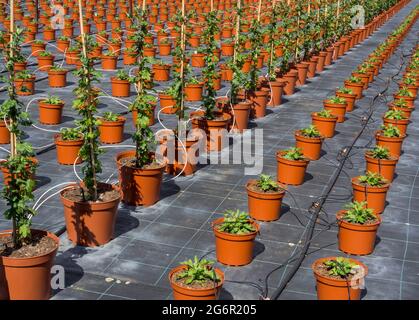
{"points": [[90, 223], [25, 273]]}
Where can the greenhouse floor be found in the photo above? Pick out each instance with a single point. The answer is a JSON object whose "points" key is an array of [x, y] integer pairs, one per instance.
{"points": [[150, 241]]}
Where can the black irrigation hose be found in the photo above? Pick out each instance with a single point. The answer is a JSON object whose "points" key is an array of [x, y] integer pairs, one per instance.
{"points": [[316, 207]]}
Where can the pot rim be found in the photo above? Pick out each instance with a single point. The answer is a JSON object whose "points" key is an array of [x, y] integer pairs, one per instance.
{"points": [[181, 267], [73, 185], [320, 260], [252, 234], [339, 219], [281, 192]]}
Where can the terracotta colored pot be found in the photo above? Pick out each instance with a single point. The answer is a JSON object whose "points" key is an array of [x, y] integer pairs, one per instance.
{"points": [[234, 249], [241, 113], [161, 72], [68, 151], [6, 172], [276, 90], [401, 124], [109, 62], [19, 66], [321, 61], [182, 293], [338, 289], [329, 55], [356, 88], [167, 104], [310, 147], [149, 52], [407, 112], [139, 186], [259, 102], [50, 113], [90, 223], [385, 167], [197, 60], [374, 196], [302, 69], [25, 87], [393, 144], [264, 206], [227, 49], [291, 78], [4, 133], [112, 131], [45, 63], [364, 77], [289, 171], [410, 101], [27, 278], [350, 100], [338, 110], [193, 92], [356, 239], [326, 126], [216, 130], [63, 45], [165, 49], [120, 88], [312, 65], [185, 157], [57, 79]]}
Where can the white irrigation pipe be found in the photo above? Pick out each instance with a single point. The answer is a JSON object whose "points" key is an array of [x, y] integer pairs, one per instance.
{"points": [[4, 149], [117, 100], [42, 195], [74, 169]]}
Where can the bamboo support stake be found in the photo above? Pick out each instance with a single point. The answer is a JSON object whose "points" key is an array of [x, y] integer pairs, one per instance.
{"points": [[271, 58], [236, 38], [182, 58], [13, 138], [83, 42], [144, 5], [259, 9], [212, 5]]}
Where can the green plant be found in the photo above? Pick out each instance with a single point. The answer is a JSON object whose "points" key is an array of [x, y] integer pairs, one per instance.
{"points": [[54, 100], [345, 90], [354, 80], [390, 131], [266, 183], [409, 81], [325, 114], [38, 42], [110, 116], [198, 271], [70, 134], [404, 92], [56, 67], [293, 154], [44, 54], [379, 152], [311, 132], [23, 75], [122, 75], [336, 100], [357, 212], [340, 267], [372, 179], [394, 115], [236, 222], [63, 38], [401, 103]]}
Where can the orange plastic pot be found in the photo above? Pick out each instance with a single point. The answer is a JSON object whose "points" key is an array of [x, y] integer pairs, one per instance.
{"points": [[336, 109], [227, 49], [264, 206], [120, 88], [185, 157], [161, 72], [197, 60], [385, 167], [234, 249], [90, 223], [165, 49], [259, 102], [27, 278], [50, 113], [291, 79], [326, 126], [410, 101], [310, 147], [400, 124], [193, 92], [349, 98], [45, 63], [63, 45], [241, 113], [302, 69], [19, 66], [109, 62], [68, 150], [112, 131], [329, 55], [290, 171], [365, 78], [276, 90], [356, 88], [321, 61], [4, 133], [138, 186], [374, 196], [167, 104], [216, 130], [25, 87], [182, 293], [6, 172], [57, 78], [338, 289], [356, 239], [312, 64], [393, 144]]}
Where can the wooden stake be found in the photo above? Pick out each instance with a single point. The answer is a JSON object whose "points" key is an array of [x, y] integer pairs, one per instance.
{"points": [[144, 5], [259, 9], [212, 5], [236, 38], [83, 42], [182, 71], [271, 58]]}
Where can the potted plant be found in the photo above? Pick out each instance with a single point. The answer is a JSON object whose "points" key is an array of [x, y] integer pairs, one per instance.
{"points": [[161, 71], [349, 97], [371, 188], [111, 128], [196, 279], [63, 43], [57, 76], [339, 278], [325, 122], [390, 137], [379, 160], [45, 60], [24, 83], [140, 172], [355, 84], [401, 105], [90, 207], [292, 166], [68, 143], [405, 94], [309, 140], [121, 84], [26, 254], [397, 119], [50, 110], [193, 89], [264, 197], [358, 227], [337, 106], [109, 60], [234, 238]]}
